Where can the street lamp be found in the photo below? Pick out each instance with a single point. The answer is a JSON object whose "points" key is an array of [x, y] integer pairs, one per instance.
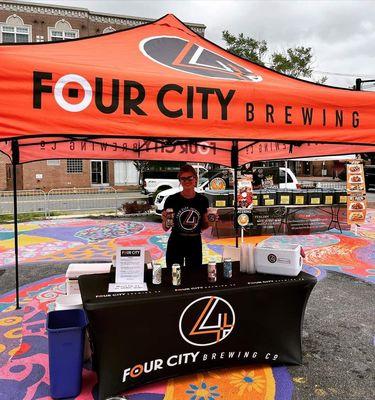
{"points": [[359, 81]]}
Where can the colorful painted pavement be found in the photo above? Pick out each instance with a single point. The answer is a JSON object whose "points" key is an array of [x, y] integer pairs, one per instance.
{"points": [[23, 343]]}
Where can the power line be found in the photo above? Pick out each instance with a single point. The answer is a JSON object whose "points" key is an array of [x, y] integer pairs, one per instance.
{"points": [[334, 73], [342, 74]]}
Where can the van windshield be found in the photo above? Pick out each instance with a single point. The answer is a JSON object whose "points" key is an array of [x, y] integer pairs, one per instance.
{"points": [[282, 177], [203, 178]]}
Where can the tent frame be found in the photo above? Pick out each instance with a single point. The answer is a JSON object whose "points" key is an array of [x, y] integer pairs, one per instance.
{"points": [[159, 144]]}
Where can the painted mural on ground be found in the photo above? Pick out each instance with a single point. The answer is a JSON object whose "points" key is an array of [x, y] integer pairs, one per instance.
{"points": [[23, 344], [74, 240]]}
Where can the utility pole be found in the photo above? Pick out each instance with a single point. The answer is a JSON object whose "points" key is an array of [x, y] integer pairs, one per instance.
{"points": [[359, 81]]}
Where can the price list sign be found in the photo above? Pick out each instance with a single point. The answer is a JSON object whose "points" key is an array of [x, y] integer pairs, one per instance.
{"points": [[356, 189]]}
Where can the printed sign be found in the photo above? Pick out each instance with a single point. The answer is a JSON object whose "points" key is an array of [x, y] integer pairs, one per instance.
{"points": [[130, 264], [245, 192], [356, 188], [217, 184]]}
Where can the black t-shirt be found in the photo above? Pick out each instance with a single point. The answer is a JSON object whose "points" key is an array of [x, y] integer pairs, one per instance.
{"points": [[188, 213], [257, 181]]}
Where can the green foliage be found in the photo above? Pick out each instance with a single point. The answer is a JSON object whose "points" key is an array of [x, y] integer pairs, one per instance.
{"points": [[32, 216], [295, 62], [246, 47], [322, 80]]}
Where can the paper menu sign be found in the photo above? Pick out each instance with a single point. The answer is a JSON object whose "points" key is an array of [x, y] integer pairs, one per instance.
{"points": [[245, 193], [130, 264], [124, 287], [356, 189]]}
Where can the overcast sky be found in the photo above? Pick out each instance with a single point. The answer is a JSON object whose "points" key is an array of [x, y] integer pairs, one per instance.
{"points": [[341, 33]]}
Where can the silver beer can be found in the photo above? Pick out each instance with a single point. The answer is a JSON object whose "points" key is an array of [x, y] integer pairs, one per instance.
{"points": [[170, 217], [156, 274], [176, 275], [211, 271], [227, 272]]}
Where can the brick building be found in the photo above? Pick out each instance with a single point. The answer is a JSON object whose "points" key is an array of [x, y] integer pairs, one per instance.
{"points": [[35, 22]]}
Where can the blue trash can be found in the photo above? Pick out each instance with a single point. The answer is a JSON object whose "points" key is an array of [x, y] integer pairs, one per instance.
{"points": [[66, 335]]}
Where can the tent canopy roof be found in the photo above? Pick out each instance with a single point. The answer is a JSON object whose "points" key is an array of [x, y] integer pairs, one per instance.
{"points": [[163, 81]]}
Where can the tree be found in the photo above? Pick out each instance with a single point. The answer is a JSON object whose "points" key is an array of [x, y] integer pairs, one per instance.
{"points": [[295, 62], [141, 167], [246, 47]]}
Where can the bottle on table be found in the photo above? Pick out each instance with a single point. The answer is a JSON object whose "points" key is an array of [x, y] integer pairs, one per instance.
{"points": [[156, 274], [176, 275], [211, 272], [227, 268]]}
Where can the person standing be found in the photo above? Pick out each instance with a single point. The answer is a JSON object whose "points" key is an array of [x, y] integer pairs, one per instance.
{"points": [[189, 219]]}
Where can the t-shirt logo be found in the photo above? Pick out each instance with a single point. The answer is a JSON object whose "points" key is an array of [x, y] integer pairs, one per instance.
{"points": [[188, 218]]}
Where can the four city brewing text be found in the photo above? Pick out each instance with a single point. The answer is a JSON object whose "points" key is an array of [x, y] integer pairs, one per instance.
{"points": [[200, 102]]}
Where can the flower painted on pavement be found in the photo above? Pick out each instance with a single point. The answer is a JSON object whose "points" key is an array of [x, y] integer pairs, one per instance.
{"points": [[202, 392], [247, 381]]}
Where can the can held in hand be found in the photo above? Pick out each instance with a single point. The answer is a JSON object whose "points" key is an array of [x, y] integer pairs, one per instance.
{"points": [[211, 271], [176, 275], [170, 217], [227, 272], [156, 274]]}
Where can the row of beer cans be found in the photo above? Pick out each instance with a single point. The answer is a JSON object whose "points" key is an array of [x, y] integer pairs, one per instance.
{"points": [[176, 272]]}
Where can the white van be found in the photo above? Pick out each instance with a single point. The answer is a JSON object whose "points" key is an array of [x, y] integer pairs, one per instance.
{"points": [[291, 183], [156, 181]]}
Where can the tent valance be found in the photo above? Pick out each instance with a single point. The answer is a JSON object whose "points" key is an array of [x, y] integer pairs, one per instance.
{"points": [[219, 152]]}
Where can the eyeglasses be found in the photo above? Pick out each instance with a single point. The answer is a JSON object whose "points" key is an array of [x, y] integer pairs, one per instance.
{"points": [[187, 178]]}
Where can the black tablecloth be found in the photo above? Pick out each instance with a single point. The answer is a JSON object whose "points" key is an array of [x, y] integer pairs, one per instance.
{"points": [[167, 331]]}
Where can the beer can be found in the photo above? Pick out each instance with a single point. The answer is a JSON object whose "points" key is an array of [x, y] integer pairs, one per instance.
{"points": [[211, 271], [176, 275], [227, 272], [156, 274], [170, 216]]}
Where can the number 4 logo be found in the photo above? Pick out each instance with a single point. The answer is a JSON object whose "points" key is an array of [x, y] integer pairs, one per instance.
{"points": [[213, 319]]}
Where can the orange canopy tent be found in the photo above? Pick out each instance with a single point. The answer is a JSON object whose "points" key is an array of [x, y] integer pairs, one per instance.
{"points": [[162, 83], [160, 91]]}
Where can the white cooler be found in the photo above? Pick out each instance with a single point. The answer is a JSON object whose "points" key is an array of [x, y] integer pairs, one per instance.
{"points": [[76, 270], [283, 260]]}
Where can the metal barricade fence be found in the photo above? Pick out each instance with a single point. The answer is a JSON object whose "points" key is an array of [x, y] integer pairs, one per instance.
{"points": [[28, 201], [323, 185], [70, 199], [82, 199], [331, 185]]}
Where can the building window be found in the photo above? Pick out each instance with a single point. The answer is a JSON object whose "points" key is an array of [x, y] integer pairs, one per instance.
{"points": [[62, 31], [74, 166], [99, 172], [109, 29], [53, 163], [14, 31]]}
